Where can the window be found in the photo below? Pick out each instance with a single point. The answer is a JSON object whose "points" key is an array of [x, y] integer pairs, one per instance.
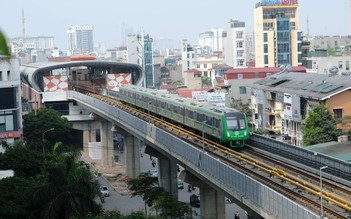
{"points": [[266, 59], [205, 65], [0, 75], [198, 66], [265, 36], [8, 75], [265, 48], [347, 65], [340, 64], [242, 90], [239, 35], [240, 76], [337, 113]]}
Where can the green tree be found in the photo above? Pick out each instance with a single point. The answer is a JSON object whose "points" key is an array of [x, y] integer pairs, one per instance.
{"points": [[206, 81], [158, 197], [22, 161], [68, 189], [4, 49], [15, 197], [319, 126], [36, 123], [239, 105]]}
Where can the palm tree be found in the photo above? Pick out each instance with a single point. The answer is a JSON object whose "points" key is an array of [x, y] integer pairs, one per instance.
{"points": [[68, 191]]}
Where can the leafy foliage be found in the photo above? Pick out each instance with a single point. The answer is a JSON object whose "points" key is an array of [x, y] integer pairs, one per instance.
{"points": [[22, 161], [4, 50], [145, 187], [319, 126], [67, 191], [34, 125], [239, 105], [15, 197]]}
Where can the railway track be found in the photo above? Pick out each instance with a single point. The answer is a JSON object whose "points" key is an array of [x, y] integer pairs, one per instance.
{"points": [[281, 177]]}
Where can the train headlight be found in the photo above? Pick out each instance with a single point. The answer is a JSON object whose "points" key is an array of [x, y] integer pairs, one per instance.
{"points": [[228, 134], [245, 133]]}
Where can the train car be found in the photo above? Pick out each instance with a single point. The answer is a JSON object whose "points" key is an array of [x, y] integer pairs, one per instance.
{"points": [[225, 125]]}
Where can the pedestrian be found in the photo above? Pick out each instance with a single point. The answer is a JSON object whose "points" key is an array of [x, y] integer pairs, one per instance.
{"points": [[237, 215]]}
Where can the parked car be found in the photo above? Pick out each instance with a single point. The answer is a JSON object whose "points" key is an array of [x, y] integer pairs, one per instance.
{"points": [[152, 173], [195, 200], [104, 191], [180, 184]]}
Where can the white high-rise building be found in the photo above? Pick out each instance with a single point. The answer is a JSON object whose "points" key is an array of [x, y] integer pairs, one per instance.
{"points": [[212, 39], [234, 44], [188, 56], [80, 39]]}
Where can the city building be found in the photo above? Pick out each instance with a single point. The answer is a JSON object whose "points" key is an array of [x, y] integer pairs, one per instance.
{"points": [[212, 39], [80, 39], [38, 43], [205, 65], [10, 104], [234, 46], [140, 51], [329, 65], [237, 81], [281, 102], [277, 34], [188, 57], [192, 79]]}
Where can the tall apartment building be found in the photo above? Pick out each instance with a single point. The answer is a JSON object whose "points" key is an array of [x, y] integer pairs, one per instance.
{"points": [[39, 42], [234, 46], [80, 39], [277, 35], [10, 104], [140, 49], [188, 57], [212, 39]]}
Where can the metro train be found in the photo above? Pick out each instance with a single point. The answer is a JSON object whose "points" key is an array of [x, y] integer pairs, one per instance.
{"points": [[224, 125]]}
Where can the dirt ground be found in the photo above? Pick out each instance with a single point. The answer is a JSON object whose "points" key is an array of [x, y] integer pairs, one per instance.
{"points": [[114, 175]]}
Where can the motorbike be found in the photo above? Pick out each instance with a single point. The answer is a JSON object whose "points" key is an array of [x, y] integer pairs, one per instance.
{"points": [[190, 188], [153, 163], [102, 199]]}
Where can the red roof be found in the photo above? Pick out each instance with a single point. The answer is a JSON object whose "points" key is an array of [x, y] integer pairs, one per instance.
{"points": [[168, 86], [194, 71], [188, 93]]}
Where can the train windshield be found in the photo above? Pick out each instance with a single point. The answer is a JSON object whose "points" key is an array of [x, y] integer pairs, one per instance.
{"points": [[235, 122]]}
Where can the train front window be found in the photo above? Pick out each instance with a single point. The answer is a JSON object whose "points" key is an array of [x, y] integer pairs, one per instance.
{"points": [[235, 123]]}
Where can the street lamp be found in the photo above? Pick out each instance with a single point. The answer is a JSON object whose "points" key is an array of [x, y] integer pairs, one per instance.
{"points": [[78, 73], [42, 137], [321, 189], [203, 136]]}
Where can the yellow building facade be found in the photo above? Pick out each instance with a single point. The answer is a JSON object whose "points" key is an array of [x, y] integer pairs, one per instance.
{"points": [[277, 34]]}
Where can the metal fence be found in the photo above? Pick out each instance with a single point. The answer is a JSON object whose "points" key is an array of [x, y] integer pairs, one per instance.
{"points": [[213, 170]]}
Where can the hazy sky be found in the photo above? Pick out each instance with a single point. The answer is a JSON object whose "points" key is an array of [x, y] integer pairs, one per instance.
{"points": [[180, 19]]}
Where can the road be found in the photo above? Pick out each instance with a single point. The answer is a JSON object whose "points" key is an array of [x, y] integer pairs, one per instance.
{"points": [[126, 204]]}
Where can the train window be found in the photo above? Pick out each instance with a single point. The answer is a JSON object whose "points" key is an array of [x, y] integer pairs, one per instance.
{"points": [[168, 106], [175, 109], [138, 96], [216, 123], [209, 121], [191, 114], [182, 111], [199, 117]]}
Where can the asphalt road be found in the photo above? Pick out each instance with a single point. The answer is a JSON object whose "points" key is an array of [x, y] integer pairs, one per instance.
{"points": [[126, 204]]}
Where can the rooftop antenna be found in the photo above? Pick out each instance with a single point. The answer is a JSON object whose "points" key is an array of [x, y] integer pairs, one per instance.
{"points": [[123, 34], [308, 27], [23, 31]]}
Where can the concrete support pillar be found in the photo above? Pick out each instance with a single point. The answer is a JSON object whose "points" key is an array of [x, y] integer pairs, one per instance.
{"points": [[168, 179], [86, 139], [107, 144], [212, 204], [132, 155]]}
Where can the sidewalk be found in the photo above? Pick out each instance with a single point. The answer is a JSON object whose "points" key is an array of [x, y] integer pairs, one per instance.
{"points": [[115, 175]]}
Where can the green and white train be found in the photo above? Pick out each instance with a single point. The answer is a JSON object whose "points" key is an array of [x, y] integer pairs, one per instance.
{"points": [[225, 125]]}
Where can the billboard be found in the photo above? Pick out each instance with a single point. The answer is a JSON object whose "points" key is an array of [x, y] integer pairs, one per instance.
{"points": [[55, 83], [114, 80]]}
